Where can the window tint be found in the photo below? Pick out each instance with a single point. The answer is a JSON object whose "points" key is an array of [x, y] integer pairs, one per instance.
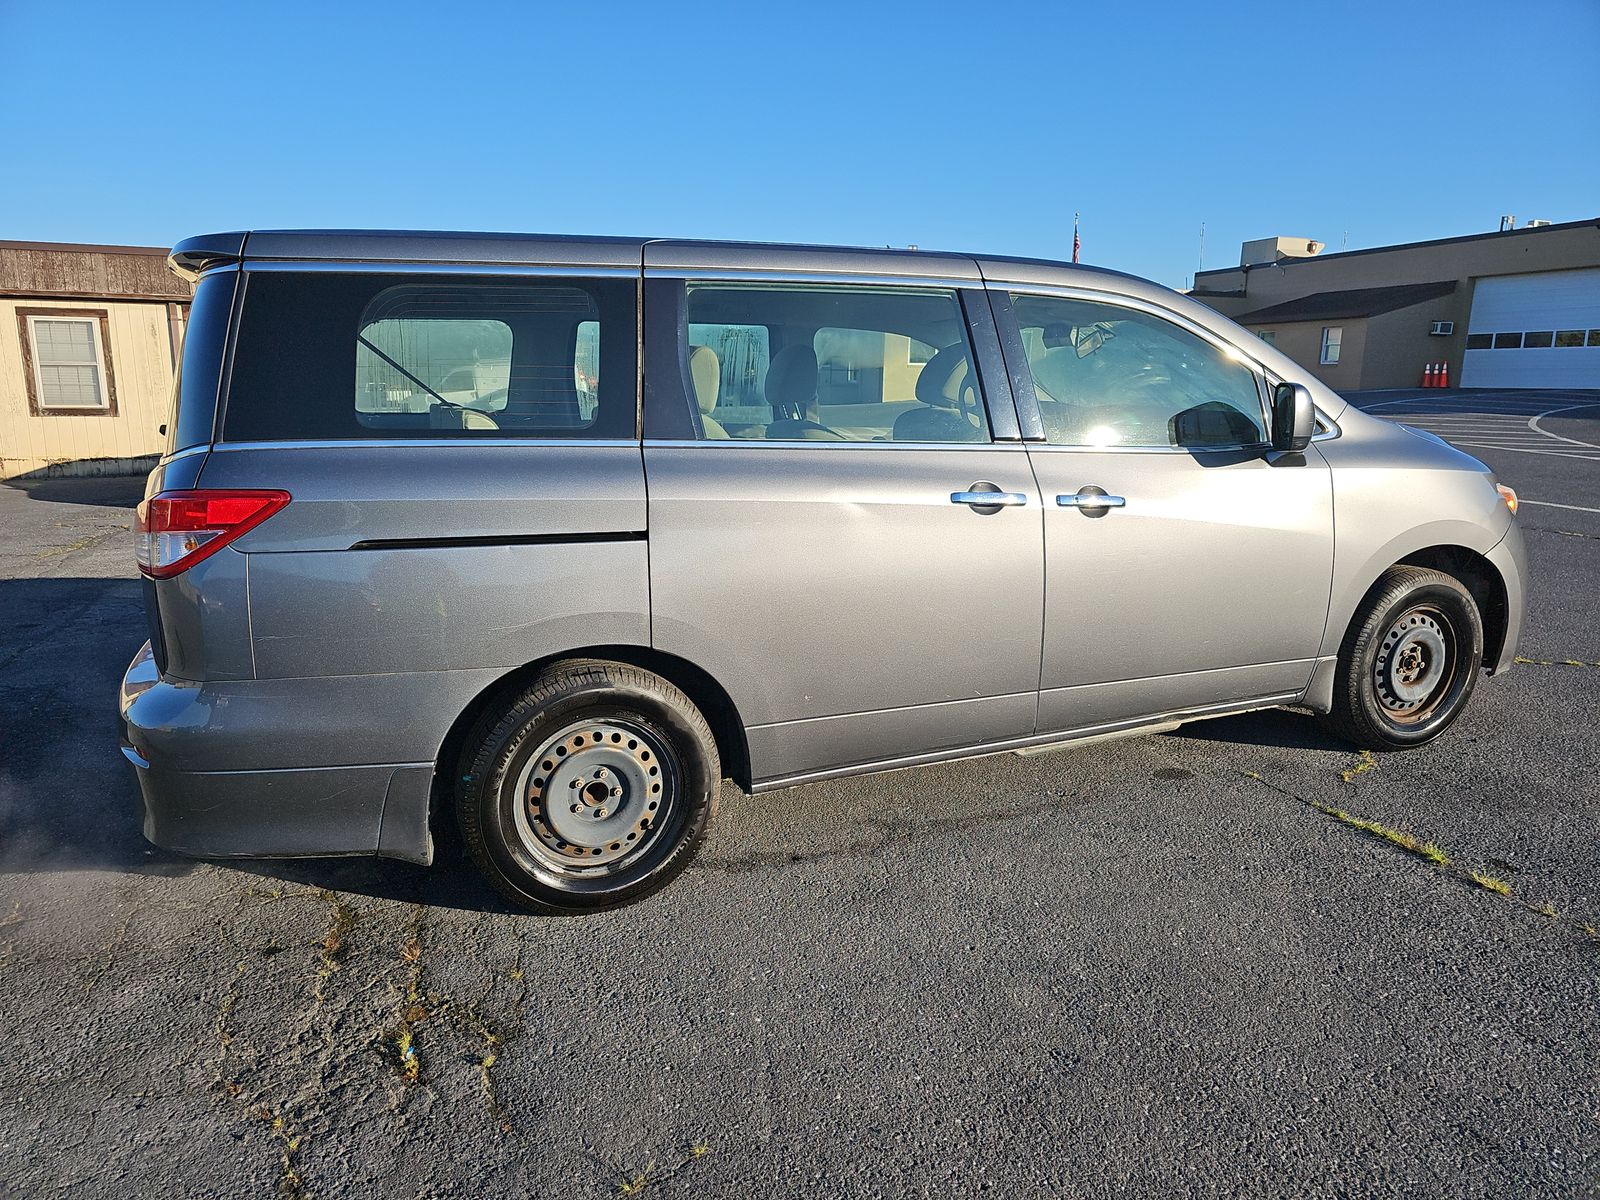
{"points": [[377, 355], [1480, 341], [828, 364], [205, 337], [440, 357], [1541, 340], [1507, 341], [1569, 337], [1110, 376]]}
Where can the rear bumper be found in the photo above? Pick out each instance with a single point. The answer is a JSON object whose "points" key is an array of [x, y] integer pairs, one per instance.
{"points": [[200, 804]]}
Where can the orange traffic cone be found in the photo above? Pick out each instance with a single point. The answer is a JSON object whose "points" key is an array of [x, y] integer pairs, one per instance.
{"points": [[1444, 374], [1427, 375]]}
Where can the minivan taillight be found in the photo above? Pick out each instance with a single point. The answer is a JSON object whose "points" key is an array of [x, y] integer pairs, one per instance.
{"points": [[175, 530]]}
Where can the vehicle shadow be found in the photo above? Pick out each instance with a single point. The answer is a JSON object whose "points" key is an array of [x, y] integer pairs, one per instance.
{"points": [[1267, 727], [451, 882], [68, 800], [103, 491]]}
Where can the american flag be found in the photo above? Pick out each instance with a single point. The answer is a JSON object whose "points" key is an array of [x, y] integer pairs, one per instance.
{"points": [[1076, 244]]}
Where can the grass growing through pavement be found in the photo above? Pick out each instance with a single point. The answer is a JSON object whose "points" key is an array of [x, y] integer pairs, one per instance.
{"points": [[1395, 837], [1500, 887], [1365, 763], [635, 1184], [1428, 852]]}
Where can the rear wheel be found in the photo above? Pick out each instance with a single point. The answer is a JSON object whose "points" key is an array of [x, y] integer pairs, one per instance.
{"points": [[1409, 662], [593, 788]]}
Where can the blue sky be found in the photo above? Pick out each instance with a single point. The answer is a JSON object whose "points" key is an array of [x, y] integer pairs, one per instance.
{"points": [[964, 126]]}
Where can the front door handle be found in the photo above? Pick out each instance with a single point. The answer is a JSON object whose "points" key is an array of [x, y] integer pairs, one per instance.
{"points": [[1092, 501], [987, 495]]}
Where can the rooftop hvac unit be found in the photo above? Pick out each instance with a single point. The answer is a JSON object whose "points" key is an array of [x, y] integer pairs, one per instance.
{"points": [[1442, 329], [1535, 224]]}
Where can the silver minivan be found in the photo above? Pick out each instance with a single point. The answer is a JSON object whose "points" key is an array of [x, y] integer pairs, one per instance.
{"points": [[558, 533]]}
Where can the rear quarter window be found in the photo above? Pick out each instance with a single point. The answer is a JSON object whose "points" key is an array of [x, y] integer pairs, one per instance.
{"points": [[337, 356], [205, 337]]}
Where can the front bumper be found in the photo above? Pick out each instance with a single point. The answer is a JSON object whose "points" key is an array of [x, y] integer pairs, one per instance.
{"points": [[183, 740], [1510, 558]]}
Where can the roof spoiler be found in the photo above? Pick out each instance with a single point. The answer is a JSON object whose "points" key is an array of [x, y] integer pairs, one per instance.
{"points": [[194, 255]]}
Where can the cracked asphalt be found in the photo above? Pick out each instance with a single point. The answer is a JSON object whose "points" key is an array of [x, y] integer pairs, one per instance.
{"points": [[1130, 968]]}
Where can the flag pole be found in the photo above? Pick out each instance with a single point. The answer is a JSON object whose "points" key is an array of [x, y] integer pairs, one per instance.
{"points": [[1076, 244]]}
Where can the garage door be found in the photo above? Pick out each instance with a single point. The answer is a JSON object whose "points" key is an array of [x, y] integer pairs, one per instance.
{"points": [[1535, 331]]}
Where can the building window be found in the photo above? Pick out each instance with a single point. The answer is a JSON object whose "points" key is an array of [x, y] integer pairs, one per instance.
{"points": [[1508, 341], [1594, 337], [1569, 337], [66, 356], [1542, 340], [1332, 336], [1269, 336], [1480, 341]]}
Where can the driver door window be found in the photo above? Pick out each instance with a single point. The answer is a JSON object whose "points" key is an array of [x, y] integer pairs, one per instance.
{"points": [[1108, 377]]}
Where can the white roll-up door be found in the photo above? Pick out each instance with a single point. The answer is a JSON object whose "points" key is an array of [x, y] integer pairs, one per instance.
{"points": [[1535, 331]]}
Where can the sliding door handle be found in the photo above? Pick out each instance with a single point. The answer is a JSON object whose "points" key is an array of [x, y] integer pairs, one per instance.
{"points": [[1091, 501]]}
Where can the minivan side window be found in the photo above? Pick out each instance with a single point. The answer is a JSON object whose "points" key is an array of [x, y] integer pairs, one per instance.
{"points": [[829, 363], [1108, 376], [359, 355]]}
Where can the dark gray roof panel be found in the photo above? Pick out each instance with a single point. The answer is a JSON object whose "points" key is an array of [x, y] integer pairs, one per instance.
{"points": [[193, 255], [375, 245], [815, 260], [1352, 302]]}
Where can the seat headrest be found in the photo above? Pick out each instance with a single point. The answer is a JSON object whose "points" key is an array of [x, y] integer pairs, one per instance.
{"points": [[792, 380], [451, 416], [944, 377], [705, 372]]}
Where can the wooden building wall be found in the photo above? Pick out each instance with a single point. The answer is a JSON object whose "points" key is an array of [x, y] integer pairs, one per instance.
{"points": [[144, 305]]}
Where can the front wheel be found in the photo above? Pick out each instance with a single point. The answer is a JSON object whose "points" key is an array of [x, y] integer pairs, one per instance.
{"points": [[1409, 662], [594, 788]]}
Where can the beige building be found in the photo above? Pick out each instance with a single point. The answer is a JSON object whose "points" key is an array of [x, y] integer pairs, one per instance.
{"points": [[89, 336], [1512, 309]]}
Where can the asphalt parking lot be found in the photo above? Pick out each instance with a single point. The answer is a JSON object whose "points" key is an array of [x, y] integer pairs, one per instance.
{"points": [[1166, 966]]}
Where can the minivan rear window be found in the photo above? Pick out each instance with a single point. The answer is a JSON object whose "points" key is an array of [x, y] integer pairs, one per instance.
{"points": [[331, 355]]}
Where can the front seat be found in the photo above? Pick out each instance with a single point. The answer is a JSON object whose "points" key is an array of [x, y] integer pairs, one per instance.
{"points": [[792, 392], [949, 394], [705, 373]]}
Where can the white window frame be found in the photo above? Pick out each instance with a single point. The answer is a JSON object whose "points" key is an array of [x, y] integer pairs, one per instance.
{"points": [[1332, 345], [96, 319]]}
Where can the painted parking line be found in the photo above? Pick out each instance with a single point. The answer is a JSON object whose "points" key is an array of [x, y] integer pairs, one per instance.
{"points": [[1495, 422], [1567, 454], [1521, 500]]}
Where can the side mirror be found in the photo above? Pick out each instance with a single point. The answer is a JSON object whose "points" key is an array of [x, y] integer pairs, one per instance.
{"points": [[1294, 417]]}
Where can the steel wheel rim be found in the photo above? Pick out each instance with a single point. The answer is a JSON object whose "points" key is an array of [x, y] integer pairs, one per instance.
{"points": [[596, 797], [1416, 665]]}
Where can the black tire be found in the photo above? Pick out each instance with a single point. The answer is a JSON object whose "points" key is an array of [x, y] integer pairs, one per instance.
{"points": [[593, 788], [1409, 661]]}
